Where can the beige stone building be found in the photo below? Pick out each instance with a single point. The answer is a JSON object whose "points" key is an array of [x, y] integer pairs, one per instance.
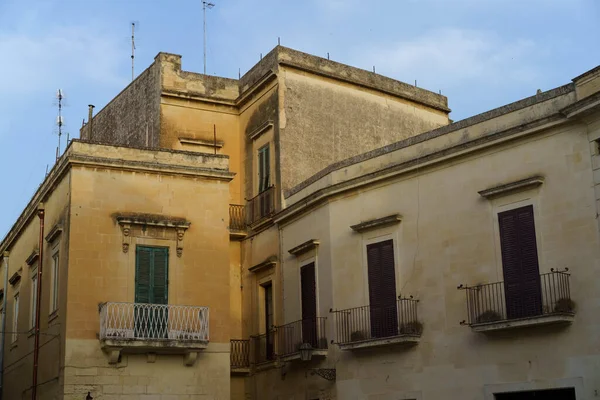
{"points": [[311, 231], [158, 244]]}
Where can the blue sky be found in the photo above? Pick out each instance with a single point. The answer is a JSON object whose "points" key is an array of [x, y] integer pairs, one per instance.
{"points": [[480, 53]]}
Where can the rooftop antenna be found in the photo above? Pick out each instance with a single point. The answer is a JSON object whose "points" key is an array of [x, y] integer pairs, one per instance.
{"points": [[59, 119], [205, 5], [132, 49]]}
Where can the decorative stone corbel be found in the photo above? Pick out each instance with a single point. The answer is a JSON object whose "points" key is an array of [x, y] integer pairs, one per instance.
{"points": [[113, 356], [126, 229], [152, 358], [180, 233], [190, 358]]}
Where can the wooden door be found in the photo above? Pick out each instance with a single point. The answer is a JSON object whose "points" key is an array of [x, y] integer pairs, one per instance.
{"points": [[309, 305], [522, 288], [382, 289]]}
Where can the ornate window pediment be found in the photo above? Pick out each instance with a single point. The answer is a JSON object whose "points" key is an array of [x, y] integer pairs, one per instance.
{"points": [[153, 226]]}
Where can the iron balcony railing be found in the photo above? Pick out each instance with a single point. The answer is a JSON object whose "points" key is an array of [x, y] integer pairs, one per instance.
{"points": [[237, 217], [263, 347], [261, 206], [309, 330], [491, 302], [374, 322], [140, 321], [240, 353]]}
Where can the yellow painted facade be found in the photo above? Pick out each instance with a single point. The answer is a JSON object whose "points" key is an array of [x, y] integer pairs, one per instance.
{"points": [[172, 162]]}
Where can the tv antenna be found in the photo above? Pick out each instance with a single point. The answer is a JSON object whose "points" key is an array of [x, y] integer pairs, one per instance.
{"points": [[59, 119], [132, 50], [205, 5]]}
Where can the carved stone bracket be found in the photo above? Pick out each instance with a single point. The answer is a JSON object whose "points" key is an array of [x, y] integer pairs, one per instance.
{"points": [[190, 358], [113, 356], [133, 223]]}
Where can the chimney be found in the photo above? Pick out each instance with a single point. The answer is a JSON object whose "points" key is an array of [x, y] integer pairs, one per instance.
{"points": [[90, 121]]}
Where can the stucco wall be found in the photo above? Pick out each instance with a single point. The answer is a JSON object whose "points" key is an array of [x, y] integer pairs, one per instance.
{"points": [[324, 121], [18, 359], [447, 237]]}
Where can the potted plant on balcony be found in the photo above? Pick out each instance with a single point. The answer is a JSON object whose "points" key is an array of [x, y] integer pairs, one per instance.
{"points": [[358, 336], [488, 316], [564, 305], [412, 328]]}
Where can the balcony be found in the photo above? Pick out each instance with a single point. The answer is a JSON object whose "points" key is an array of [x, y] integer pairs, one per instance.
{"points": [[261, 207], [153, 328], [489, 308], [374, 326], [237, 221], [240, 356], [263, 348], [291, 336]]}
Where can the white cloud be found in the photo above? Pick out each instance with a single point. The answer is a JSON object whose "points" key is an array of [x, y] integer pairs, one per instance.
{"points": [[449, 57]]}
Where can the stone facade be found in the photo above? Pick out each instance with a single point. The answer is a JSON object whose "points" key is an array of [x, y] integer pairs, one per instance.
{"points": [[173, 160]]}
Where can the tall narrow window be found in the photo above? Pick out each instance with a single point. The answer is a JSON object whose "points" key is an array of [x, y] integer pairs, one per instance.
{"points": [[264, 169], [54, 281], [151, 287], [15, 324], [33, 306], [382, 289], [520, 267], [309, 304], [269, 321]]}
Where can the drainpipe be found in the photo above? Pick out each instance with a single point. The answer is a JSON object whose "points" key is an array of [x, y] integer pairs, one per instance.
{"points": [[90, 120], [38, 303], [3, 336]]}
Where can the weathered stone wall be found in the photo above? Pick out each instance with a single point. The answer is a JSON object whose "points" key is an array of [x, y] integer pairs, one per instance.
{"points": [[324, 121], [132, 118], [448, 236]]}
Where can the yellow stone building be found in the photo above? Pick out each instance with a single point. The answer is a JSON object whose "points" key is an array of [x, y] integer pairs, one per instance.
{"points": [[300, 233]]}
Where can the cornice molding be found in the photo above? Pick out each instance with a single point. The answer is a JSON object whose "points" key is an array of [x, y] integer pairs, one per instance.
{"points": [[377, 223], [511, 187], [304, 247]]}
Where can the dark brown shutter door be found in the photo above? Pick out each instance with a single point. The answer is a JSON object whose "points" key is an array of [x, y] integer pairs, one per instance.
{"points": [[382, 289], [309, 304], [520, 266]]}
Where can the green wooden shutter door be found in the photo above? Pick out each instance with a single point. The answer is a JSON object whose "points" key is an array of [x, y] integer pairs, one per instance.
{"points": [[160, 275], [143, 266]]}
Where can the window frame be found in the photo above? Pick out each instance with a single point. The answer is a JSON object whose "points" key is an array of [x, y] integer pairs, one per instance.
{"points": [[33, 296], [54, 279], [264, 167], [15, 321]]}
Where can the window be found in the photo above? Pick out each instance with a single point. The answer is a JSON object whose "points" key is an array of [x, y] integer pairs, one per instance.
{"points": [[520, 267], [15, 325], [382, 289], [309, 304], [264, 169], [54, 281], [269, 321], [151, 287], [33, 306]]}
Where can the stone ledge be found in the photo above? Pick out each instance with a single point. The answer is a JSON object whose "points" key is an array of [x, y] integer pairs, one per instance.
{"points": [[553, 319], [304, 247], [376, 223], [511, 187], [296, 356], [372, 343], [189, 349]]}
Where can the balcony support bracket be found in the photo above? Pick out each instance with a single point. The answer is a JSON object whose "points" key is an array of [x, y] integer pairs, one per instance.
{"points": [[189, 359], [325, 373], [114, 354]]}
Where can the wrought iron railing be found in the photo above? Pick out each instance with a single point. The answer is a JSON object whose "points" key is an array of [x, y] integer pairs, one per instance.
{"points": [[140, 321], [240, 353], [237, 217], [263, 347], [377, 322], [309, 330], [261, 206], [491, 302]]}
